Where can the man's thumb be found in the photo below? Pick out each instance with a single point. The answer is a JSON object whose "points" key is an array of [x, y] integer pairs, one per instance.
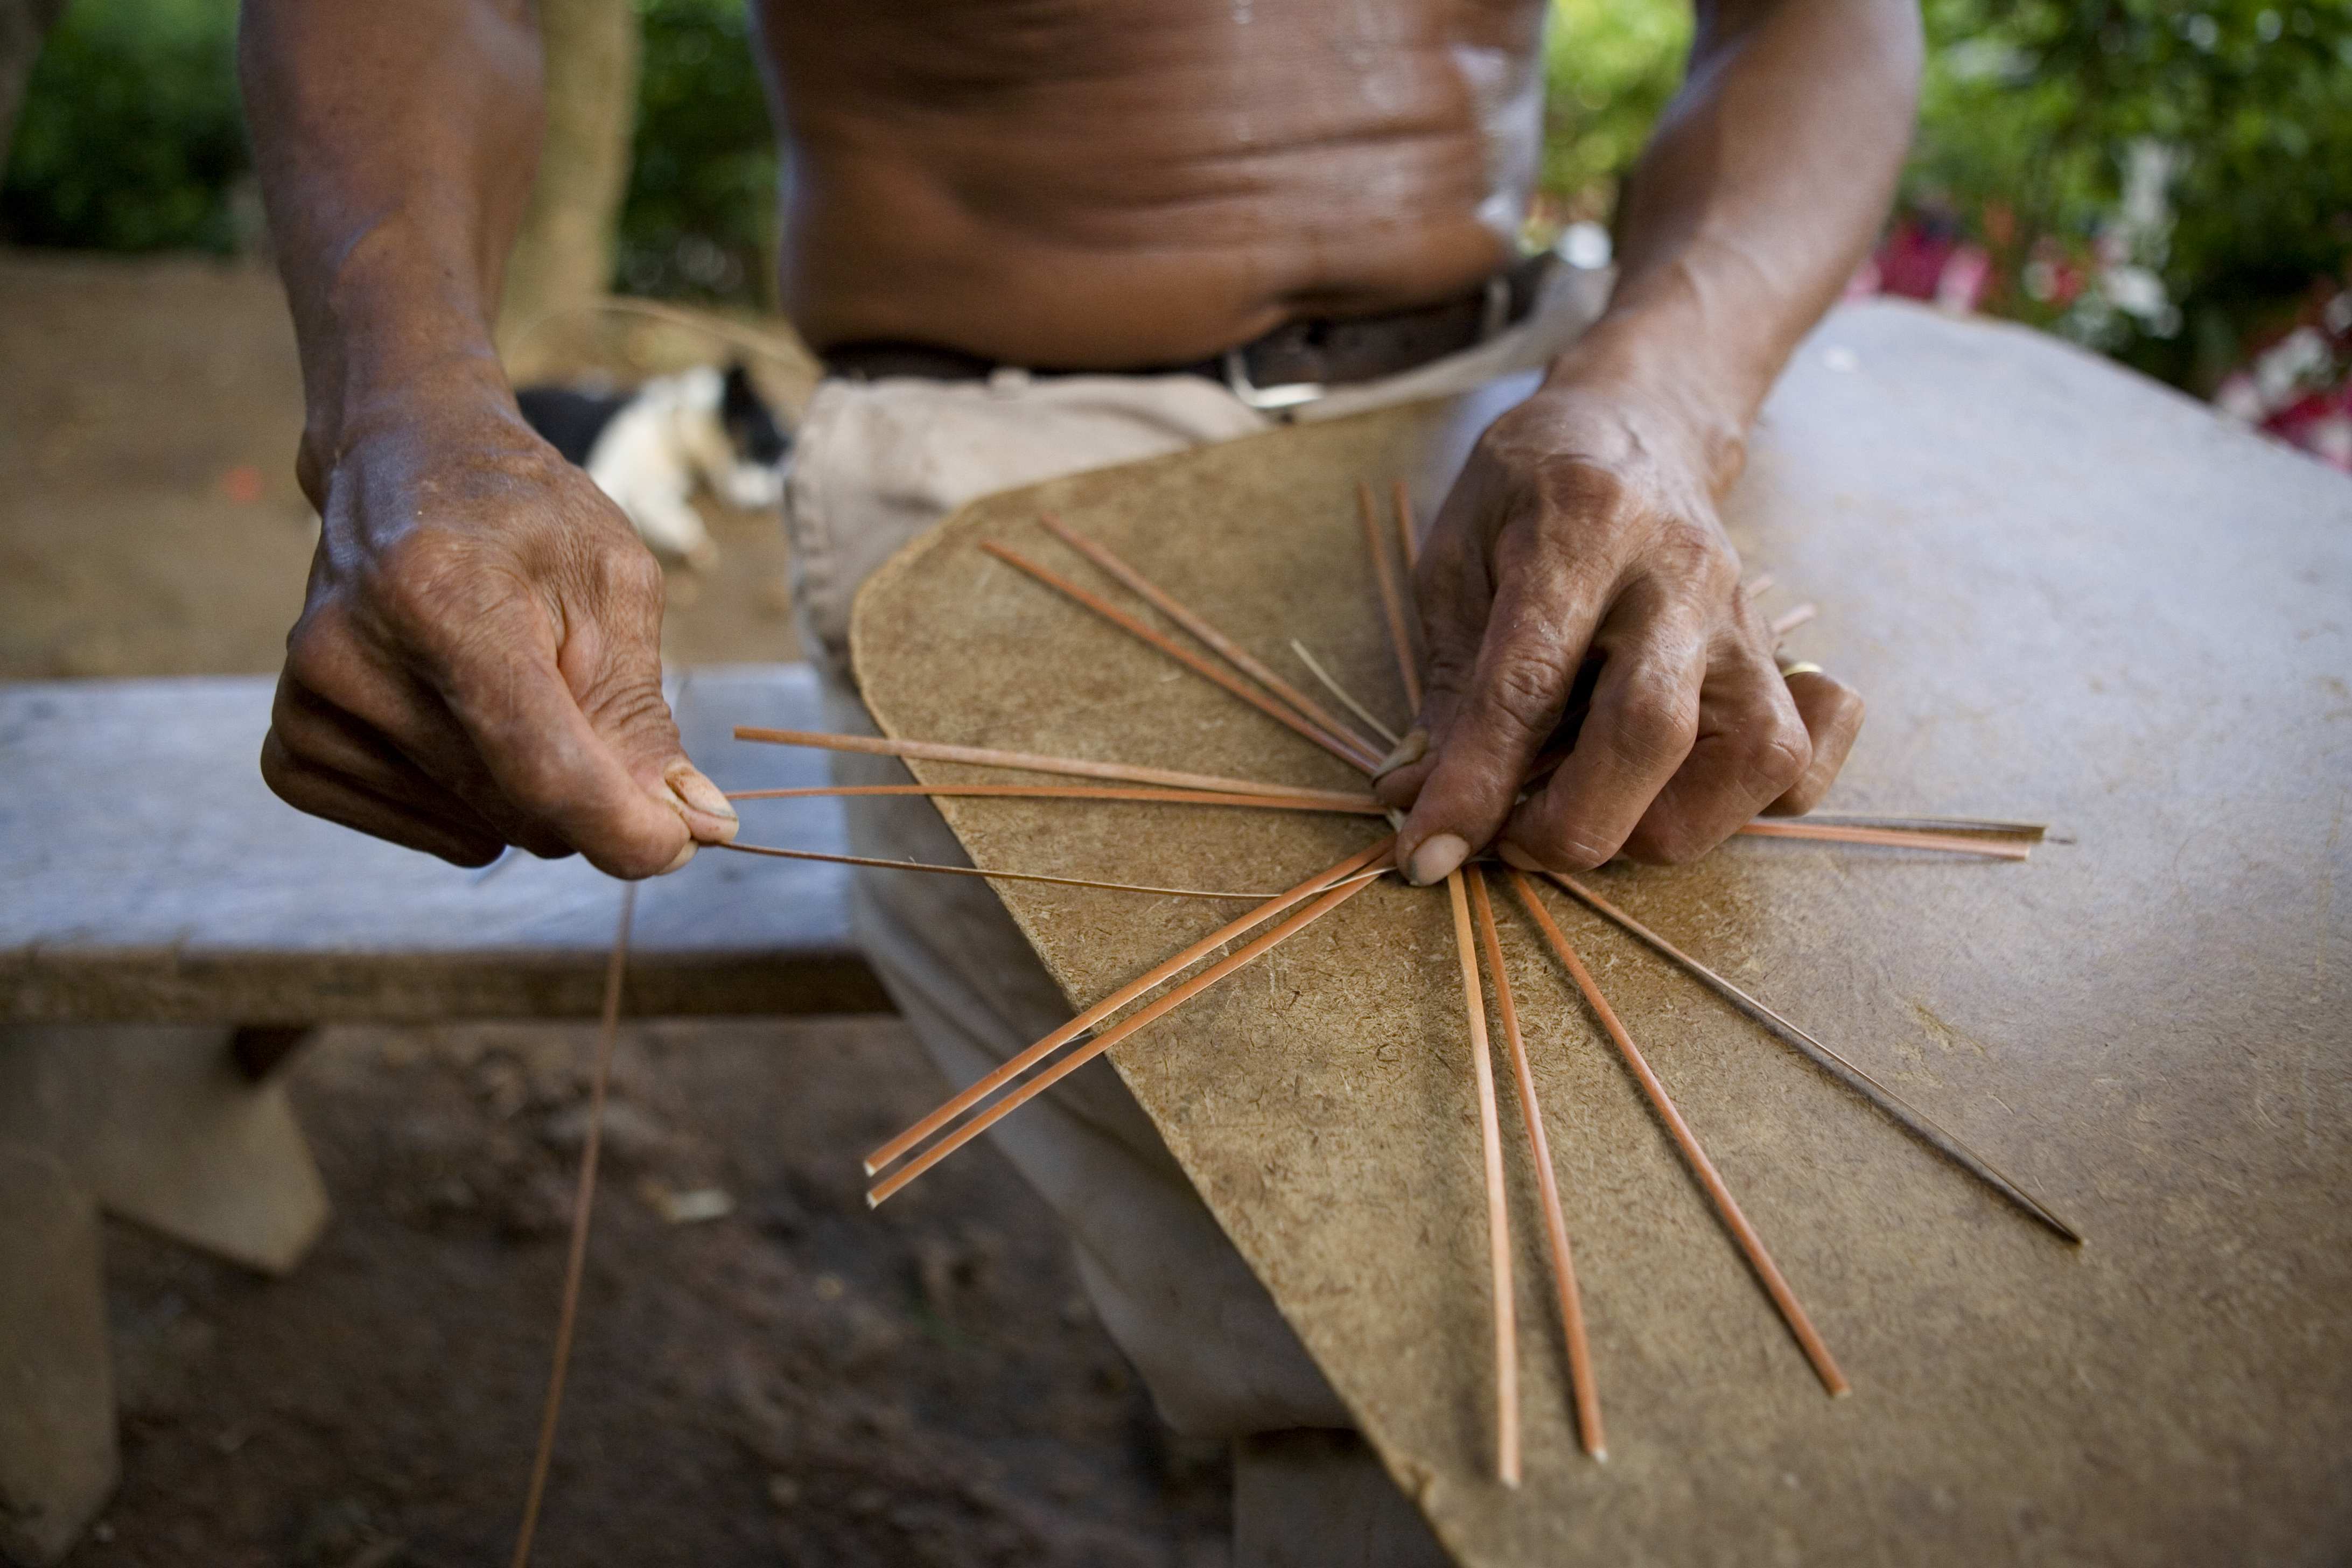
{"points": [[709, 815], [635, 722]]}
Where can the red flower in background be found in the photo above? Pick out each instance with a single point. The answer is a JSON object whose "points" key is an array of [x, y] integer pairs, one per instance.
{"points": [[2320, 425], [2298, 387], [1922, 259]]}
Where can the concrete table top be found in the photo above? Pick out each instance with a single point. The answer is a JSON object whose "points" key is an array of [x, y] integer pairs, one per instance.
{"points": [[2068, 594]]}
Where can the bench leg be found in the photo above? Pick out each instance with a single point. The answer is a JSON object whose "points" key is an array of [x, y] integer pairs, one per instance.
{"points": [[165, 1129], [58, 1456]]}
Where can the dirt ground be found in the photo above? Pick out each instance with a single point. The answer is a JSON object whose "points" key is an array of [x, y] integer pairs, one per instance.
{"points": [[795, 1381]]}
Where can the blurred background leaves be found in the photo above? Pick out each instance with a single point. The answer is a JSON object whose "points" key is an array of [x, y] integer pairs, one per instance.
{"points": [[699, 221], [2036, 111], [129, 137], [2168, 181], [1610, 67]]}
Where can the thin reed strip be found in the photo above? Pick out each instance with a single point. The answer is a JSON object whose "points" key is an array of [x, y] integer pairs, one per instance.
{"points": [[1231, 652], [1407, 538], [1913, 1119], [889, 1153], [988, 873], [1331, 900], [1347, 699], [1354, 753], [1037, 763], [2037, 831], [1808, 1339], [1887, 837], [1585, 1392], [1499, 1217], [1756, 587], [583, 1200], [1367, 806], [1794, 618], [1392, 602]]}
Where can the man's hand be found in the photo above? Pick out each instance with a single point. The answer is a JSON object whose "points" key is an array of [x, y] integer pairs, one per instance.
{"points": [[479, 661], [1579, 562], [1578, 559]]}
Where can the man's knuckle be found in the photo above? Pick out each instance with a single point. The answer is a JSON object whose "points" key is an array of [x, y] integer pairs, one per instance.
{"points": [[422, 556], [278, 767], [1694, 563], [631, 573], [1578, 487], [1658, 717], [1502, 447], [1777, 754], [1523, 689], [317, 647], [427, 583]]}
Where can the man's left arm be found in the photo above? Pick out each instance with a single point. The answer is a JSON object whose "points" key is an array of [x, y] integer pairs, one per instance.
{"points": [[1580, 555]]}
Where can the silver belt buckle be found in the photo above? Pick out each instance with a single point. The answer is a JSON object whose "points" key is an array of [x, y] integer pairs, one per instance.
{"points": [[1267, 399]]}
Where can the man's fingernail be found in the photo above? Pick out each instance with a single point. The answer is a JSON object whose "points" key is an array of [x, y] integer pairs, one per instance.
{"points": [[704, 796], [1409, 751], [682, 857], [1440, 856]]}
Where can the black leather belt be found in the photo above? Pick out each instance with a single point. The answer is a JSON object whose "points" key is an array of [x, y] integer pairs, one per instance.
{"points": [[1294, 363]]}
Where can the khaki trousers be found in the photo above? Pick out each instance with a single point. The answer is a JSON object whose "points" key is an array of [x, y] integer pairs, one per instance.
{"points": [[876, 464]]}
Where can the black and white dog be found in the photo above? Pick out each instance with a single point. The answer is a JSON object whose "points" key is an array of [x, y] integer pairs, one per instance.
{"points": [[648, 448]]}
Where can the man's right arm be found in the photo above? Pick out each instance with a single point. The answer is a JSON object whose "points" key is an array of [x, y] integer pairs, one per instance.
{"points": [[479, 658]]}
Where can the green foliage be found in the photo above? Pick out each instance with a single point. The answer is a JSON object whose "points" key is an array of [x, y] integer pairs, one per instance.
{"points": [[130, 138], [2030, 114], [2032, 107], [1610, 65], [700, 218]]}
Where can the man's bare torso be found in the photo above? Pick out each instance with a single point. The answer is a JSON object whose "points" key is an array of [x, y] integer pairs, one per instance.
{"points": [[1126, 182]]}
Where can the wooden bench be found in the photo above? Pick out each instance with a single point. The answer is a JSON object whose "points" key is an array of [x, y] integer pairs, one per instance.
{"points": [[154, 879], [170, 930]]}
